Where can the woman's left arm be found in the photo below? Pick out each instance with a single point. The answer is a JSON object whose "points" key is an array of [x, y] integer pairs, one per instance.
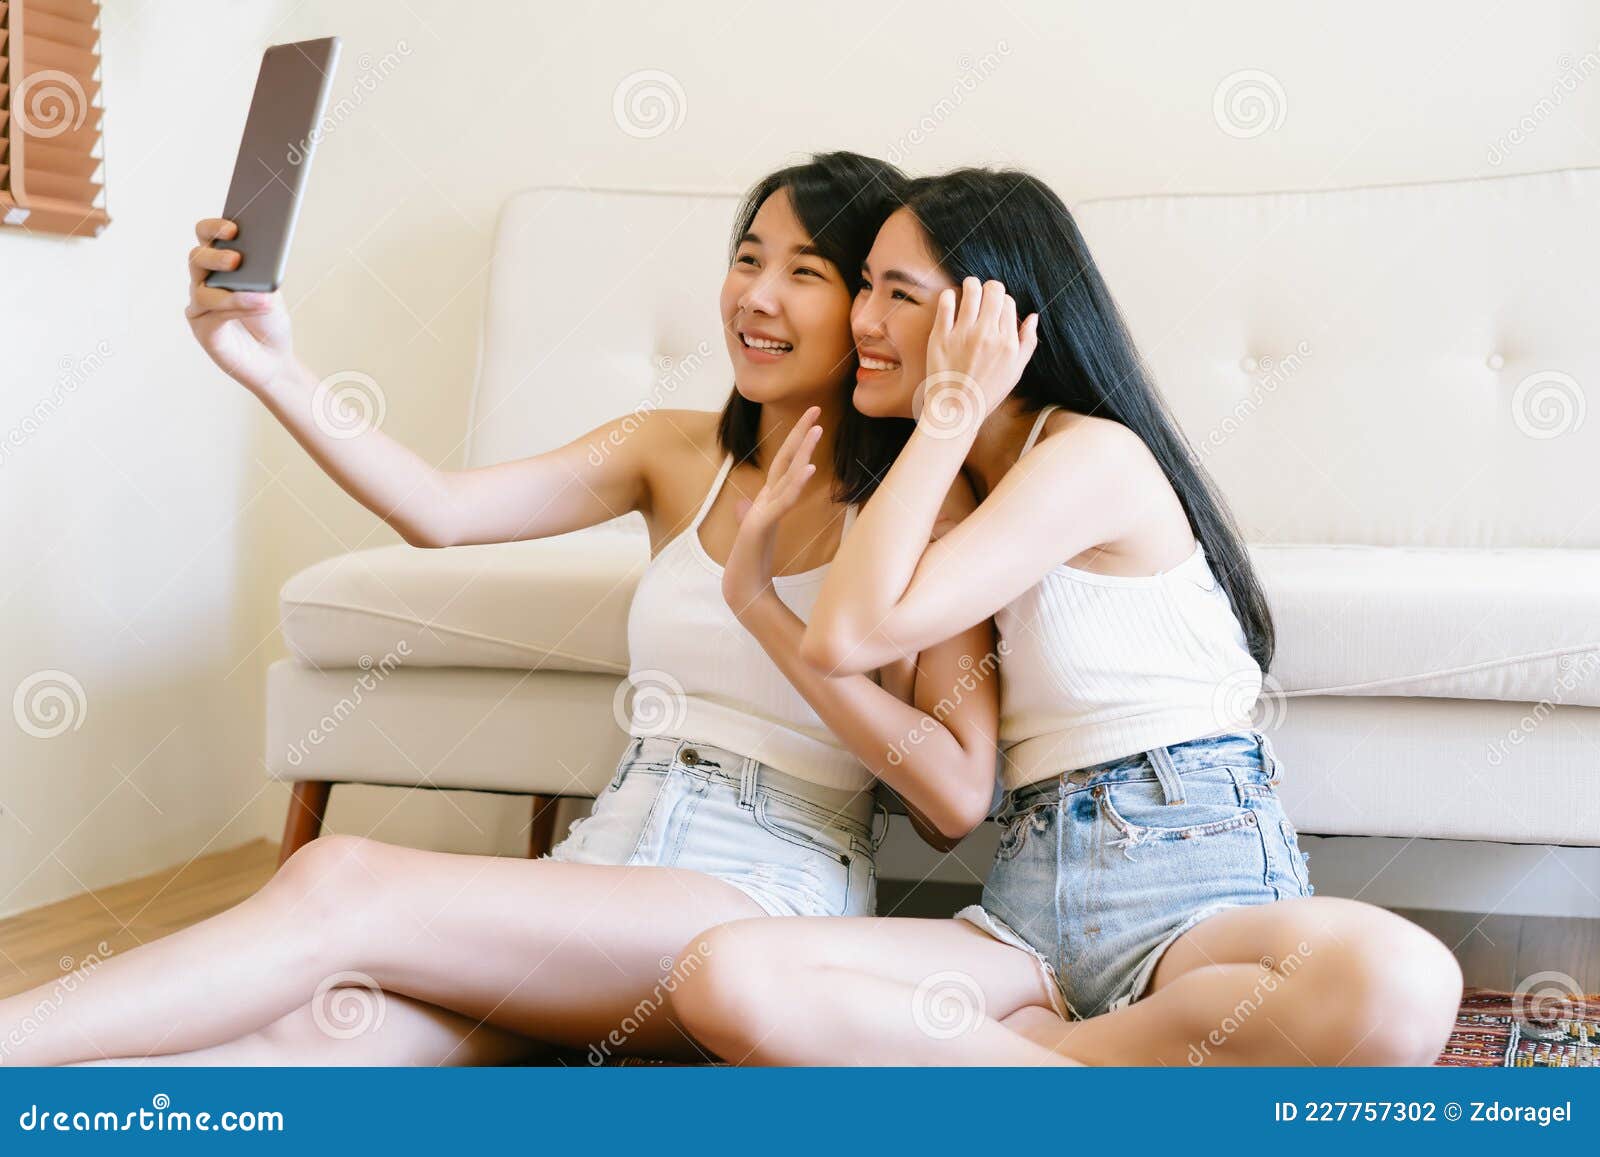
{"points": [[890, 592], [936, 752], [1059, 500]]}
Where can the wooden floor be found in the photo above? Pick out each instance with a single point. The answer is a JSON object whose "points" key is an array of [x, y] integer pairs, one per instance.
{"points": [[35, 947], [40, 945]]}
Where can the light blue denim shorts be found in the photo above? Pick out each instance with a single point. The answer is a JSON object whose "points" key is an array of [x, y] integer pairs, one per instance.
{"points": [[794, 847], [1099, 870]]}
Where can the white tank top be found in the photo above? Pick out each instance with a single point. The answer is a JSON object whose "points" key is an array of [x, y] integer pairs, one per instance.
{"points": [[698, 674], [1097, 666]]}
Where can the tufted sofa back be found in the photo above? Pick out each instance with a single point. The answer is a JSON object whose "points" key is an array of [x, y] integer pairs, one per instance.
{"points": [[1390, 365]]}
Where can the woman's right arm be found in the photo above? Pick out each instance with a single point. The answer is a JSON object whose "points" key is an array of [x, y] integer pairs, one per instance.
{"points": [[588, 481]]}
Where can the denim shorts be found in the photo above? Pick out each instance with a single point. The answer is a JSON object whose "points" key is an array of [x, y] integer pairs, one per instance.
{"points": [[794, 847], [1099, 870]]}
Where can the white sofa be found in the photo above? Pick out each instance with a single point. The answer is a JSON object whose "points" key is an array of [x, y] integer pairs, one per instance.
{"points": [[1387, 382]]}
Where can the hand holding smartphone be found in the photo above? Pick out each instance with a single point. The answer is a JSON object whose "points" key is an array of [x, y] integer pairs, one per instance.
{"points": [[269, 176]]}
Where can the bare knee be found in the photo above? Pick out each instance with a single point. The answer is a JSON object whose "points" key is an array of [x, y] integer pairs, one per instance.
{"points": [[725, 999], [1382, 990], [332, 884]]}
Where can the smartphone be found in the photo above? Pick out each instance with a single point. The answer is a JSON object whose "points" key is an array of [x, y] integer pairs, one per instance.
{"points": [[269, 177]]}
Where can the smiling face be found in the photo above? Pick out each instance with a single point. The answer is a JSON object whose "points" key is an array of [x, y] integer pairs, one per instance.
{"points": [[893, 316], [785, 312]]}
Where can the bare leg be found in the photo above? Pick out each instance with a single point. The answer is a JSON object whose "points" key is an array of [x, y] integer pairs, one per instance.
{"points": [[1305, 981], [861, 990], [1309, 981], [564, 953], [360, 1026]]}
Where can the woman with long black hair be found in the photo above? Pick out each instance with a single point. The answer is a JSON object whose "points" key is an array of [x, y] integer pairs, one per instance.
{"points": [[1147, 880]]}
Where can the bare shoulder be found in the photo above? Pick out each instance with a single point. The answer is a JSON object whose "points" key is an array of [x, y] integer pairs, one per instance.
{"points": [[1098, 442], [674, 431], [675, 453], [660, 444]]}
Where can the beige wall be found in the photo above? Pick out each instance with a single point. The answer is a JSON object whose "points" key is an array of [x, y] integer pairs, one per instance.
{"points": [[151, 521], [133, 543]]}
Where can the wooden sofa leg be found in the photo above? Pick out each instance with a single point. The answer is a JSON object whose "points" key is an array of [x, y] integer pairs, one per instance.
{"points": [[306, 808], [542, 829]]}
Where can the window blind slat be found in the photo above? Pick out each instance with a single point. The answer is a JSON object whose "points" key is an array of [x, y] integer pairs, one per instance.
{"points": [[45, 53], [73, 32], [91, 88], [78, 11], [43, 158], [79, 140], [49, 215], [74, 189]]}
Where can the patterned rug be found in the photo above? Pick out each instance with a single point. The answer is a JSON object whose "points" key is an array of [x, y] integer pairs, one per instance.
{"points": [[1522, 1030]]}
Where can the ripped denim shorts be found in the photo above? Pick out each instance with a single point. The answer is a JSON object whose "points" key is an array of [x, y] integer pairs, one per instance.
{"points": [[1099, 870], [794, 847]]}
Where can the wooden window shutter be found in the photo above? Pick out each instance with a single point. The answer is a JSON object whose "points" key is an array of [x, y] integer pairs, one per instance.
{"points": [[50, 117]]}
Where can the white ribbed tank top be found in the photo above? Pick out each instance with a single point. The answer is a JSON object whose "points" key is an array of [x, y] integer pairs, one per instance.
{"points": [[1097, 666], [698, 674]]}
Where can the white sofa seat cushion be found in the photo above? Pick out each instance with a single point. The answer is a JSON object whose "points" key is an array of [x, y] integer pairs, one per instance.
{"points": [[1506, 625], [555, 603], [538, 732], [1454, 623]]}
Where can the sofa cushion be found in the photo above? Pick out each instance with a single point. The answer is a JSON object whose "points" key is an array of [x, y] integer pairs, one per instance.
{"points": [[558, 603], [1510, 625]]}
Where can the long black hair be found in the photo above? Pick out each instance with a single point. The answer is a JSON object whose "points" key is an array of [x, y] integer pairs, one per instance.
{"points": [[841, 199], [1010, 226]]}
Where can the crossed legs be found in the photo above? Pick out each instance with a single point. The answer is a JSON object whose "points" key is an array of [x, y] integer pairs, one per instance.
{"points": [[1314, 980]]}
